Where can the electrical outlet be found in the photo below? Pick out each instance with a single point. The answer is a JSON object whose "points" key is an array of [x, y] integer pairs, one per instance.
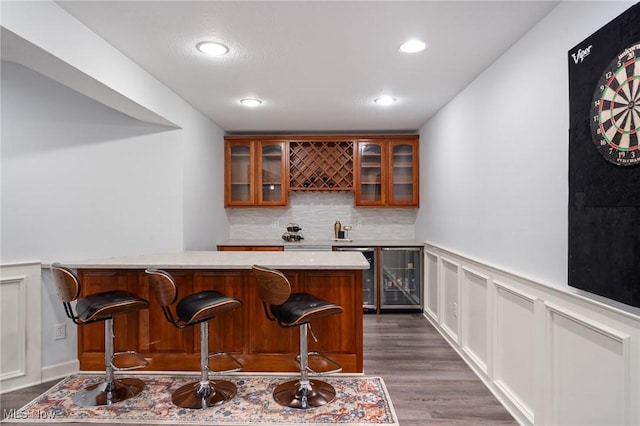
{"points": [[275, 224], [455, 310], [358, 225], [60, 331]]}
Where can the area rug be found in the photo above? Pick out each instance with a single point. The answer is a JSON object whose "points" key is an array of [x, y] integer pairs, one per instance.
{"points": [[360, 400]]}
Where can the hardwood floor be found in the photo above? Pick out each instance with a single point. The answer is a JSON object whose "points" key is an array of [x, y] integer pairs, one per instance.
{"points": [[428, 382]]}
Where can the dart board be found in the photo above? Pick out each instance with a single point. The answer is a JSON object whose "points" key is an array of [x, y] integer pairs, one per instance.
{"points": [[615, 110]]}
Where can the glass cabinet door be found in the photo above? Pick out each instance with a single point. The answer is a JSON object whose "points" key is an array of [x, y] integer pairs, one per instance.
{"points": [[272, 174], [369, 296], [403, 189], [370, 174], [239, 174], [369, 278], [401, 286]]}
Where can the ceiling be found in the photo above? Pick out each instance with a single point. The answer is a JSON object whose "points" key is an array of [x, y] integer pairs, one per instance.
{"points": [[317, 65]]}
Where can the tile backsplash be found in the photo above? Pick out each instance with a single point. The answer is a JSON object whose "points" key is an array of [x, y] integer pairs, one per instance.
{"points": [[316, 212]]}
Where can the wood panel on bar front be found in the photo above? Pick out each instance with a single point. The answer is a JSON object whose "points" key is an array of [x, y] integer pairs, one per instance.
{"points": [[259, 344]]}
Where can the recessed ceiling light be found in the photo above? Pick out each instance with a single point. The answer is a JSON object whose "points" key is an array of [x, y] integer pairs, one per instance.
{"points": [[212, 48], [250, 102], [413, 46], [385, 100]]}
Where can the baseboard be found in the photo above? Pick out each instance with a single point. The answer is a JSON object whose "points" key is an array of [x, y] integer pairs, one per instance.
{"points": [[58, 371]]}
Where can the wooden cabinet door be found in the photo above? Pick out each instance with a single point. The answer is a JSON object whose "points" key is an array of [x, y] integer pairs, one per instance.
{"points": [[239, 189], [272, 174], [403, 173], [370, 177]]}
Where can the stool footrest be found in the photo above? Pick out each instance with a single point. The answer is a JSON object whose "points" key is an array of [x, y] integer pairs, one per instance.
{"points": [[236, 364], [337, 369], [143, 361]]}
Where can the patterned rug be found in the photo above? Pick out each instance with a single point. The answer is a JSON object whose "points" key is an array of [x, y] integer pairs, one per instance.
{"points": [[360, 400]]}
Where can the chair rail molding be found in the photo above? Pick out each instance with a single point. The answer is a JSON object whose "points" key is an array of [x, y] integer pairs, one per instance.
{"points": [[550, 354], [20, 325]]}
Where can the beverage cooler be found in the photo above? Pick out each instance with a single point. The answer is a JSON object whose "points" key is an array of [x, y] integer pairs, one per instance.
{"points": [[401, 278], [394, 280]]}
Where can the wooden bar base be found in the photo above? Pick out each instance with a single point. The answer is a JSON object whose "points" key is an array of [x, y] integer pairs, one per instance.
{"points": [[259, 344]]}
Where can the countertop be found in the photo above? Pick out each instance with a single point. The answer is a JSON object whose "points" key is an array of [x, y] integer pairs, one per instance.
{"points": [[314, 260], [328, 242]]}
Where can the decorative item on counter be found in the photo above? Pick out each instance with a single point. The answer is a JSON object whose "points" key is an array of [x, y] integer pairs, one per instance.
{"points": [[347, 228], [293, 233], [341, 233]]}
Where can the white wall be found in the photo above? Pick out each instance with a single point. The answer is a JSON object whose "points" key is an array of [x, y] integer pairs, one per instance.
{"points": [[494, 182], [81, 180], [494, 165], [204, 220]]}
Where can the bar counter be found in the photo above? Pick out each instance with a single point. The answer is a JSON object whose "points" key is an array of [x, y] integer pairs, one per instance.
{"points": [[322, 260], [260, 345]]}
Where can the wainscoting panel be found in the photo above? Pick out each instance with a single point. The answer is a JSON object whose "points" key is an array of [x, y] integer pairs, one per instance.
{"points": [[450, 300], [577, 345], [13, 352], [514, 342], [473, 314], [431, 284], [20, 326], [553, 355]]}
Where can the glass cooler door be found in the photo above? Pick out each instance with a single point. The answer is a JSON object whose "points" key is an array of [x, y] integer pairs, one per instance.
{"points": [[401, 278], [369, 294]]}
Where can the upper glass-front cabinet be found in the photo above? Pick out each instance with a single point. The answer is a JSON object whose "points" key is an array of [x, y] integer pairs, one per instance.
{"points": [[403, 188], [387, 173], [370, 174], [243, 186], [239, 179], [272, 174]]}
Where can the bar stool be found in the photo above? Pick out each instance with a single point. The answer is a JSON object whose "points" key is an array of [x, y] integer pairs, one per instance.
{"points": [[197, 308], [101, 307], [296, 310]]}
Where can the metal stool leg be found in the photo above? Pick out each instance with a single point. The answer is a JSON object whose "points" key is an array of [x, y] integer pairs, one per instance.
{"points": [[111, 390], [205, 393], [304, 393]]}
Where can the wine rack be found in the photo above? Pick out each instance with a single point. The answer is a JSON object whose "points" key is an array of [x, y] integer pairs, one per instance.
{"points": [[321, 165]]}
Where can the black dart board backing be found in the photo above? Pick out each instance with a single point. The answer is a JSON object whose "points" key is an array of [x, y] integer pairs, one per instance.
{"points": [[604, 161]]}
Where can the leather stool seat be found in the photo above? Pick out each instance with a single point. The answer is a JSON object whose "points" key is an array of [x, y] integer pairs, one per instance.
{"points": [[302, 308], [103, 305], [203, 306]]}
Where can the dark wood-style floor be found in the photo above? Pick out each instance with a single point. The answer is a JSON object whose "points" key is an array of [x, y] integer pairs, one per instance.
{"points": [[428, 382]]}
